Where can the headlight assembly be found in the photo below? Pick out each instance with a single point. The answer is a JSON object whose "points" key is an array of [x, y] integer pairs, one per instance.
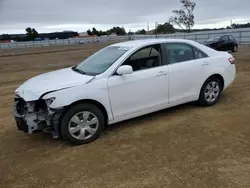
{"points": [[49, 101]]}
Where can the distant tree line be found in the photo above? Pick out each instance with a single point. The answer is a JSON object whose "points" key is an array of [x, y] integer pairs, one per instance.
{"points": [[115, 30], [32, 34], [141, 32], [234, 26], [166, 28]]}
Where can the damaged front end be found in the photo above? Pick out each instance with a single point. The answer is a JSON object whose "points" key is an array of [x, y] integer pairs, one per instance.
{"points": [[36, 116]]}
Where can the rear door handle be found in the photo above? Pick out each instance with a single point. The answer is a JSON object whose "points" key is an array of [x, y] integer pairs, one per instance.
{"points": [[205, 64], [162, 73]]}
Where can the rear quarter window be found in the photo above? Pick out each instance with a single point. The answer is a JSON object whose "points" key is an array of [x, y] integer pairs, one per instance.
{"points": [[198, 54]]}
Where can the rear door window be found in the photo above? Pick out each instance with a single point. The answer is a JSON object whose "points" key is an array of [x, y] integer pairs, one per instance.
{"points": [[225, 38], [179, 52], [231, 37]]}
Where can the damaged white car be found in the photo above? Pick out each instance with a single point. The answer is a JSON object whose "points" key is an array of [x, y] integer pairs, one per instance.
{"points": [[120, 82]]}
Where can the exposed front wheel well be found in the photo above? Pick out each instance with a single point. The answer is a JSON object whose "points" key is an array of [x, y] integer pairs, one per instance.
{"points": [[98, 104], [82, 123], [90, 101]]}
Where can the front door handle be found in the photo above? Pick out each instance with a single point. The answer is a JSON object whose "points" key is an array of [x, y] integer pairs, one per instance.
{"points": [[162, 73]]}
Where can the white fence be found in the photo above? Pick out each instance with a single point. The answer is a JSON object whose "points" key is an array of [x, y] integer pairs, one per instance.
{"points": [[242, 35]]}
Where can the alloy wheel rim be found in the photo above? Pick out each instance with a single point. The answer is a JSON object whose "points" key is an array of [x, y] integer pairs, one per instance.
{"points": [[83, 125], [212, 91]]}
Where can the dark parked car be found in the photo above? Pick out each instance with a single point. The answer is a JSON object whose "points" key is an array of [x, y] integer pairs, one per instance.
{"points": [[223, 43]]}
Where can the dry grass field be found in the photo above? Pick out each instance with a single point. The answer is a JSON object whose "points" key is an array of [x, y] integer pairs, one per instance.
{"points": [[186, 146]]}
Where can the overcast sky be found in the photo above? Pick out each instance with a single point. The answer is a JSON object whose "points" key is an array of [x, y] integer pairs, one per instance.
{"points": [[80, 15]]}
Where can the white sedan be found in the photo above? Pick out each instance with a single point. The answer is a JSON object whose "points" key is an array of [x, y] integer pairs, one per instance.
{"points": [[120, 82]]}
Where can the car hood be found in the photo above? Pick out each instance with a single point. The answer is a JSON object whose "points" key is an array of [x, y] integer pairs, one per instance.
{"points": [[35, 87]]}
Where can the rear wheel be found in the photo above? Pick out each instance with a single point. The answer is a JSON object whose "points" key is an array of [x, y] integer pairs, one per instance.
{"points": [[235, 49], [210, 92], [82, 123]]}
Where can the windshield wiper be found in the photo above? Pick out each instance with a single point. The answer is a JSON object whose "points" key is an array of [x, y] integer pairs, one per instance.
{"points": [[78, 70]]}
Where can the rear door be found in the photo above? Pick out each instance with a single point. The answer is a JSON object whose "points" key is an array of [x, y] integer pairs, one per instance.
{"points": [[232, 42], [225, 45], [187, 70]]}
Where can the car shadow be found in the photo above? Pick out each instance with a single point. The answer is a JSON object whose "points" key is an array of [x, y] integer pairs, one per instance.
{"points": [[148, 117], [45, 139]]}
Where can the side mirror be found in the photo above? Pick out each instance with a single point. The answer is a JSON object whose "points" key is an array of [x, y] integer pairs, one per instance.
{"points": [[125, 69]]}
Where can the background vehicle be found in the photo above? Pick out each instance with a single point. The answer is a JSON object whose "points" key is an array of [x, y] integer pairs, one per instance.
{"points": [[223, 43], [120, 82]]}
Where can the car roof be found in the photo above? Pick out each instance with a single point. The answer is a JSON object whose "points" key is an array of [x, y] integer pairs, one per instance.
{"points": [[143, 42], [134, 44]]}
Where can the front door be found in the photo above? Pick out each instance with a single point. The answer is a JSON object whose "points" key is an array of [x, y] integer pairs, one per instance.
{"points": [[145, 89]]}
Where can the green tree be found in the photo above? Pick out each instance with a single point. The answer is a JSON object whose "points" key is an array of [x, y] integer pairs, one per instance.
{"points": [[130, 33], [117, 31], [89, 32], [164, 28], [240, 25], [95, 32], [34, 33], [141, 32], [28, 30], [31, 33], [100, 33], [184, 18], [4, 37]]}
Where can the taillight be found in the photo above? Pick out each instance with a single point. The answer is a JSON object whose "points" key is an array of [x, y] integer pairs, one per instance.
{"points": [[232, 60]]}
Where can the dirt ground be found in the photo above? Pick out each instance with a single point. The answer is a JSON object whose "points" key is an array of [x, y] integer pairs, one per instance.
{"points": [[186, 146]]}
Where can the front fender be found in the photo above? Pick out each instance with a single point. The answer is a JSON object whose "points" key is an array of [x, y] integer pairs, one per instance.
{"points": [[88, 92]]}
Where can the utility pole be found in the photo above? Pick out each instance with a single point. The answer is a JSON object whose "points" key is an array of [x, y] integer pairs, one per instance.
{"points": [[156, 25], [130, 35], [147, 28]]}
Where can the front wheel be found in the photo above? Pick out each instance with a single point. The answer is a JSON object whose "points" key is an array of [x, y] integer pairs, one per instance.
{"points": [[210, 92], [82, 123]]}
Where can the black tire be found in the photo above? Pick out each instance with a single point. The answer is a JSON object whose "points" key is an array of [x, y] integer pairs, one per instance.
{"points": [[235, 49], [64, 130], [202, 99]]}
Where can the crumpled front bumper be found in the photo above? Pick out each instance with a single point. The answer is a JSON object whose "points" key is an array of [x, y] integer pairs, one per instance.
{"points": [[21, 124], [33, 122], [29, 122]]}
